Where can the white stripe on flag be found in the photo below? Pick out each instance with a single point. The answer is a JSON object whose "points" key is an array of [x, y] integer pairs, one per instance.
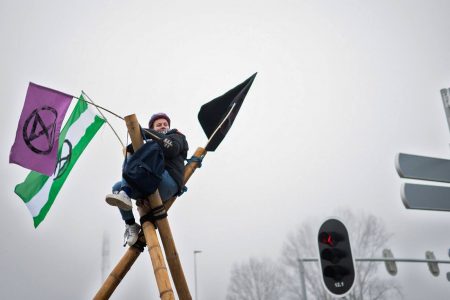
{"points": [[40, 199], [83, 122]]}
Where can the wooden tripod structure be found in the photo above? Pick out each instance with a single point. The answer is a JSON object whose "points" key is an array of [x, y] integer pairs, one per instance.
{"points": [[216, 118], [150, 238]]}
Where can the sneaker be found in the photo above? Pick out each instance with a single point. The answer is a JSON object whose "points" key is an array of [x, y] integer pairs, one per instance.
{"points": [[121, 200], [131, 234]]}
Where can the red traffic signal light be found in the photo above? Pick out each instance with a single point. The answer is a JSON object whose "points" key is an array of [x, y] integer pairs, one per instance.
{"points": [[329, 238], [336, 261]]}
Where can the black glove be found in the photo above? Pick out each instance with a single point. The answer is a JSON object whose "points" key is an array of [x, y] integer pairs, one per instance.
{"points": [[130, 148]]}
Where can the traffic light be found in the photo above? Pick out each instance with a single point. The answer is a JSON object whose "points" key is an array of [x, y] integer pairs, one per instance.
{"points": [[391, 266], [336, 261], [433, 266]]}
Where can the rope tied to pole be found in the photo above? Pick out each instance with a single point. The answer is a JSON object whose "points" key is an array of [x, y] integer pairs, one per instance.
{"points": [[195, 159], [139, 245], [155, 214]]}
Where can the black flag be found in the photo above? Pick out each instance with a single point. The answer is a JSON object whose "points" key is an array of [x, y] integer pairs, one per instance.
{"points": [[217, 116]]}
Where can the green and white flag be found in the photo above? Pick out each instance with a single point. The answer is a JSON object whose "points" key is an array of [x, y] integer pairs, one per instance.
{"points": [[39, 191]]}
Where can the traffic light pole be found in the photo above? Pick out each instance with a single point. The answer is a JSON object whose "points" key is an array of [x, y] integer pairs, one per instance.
{"points": [[310, 259], [302, 278], [432, 264], [404, 260]]}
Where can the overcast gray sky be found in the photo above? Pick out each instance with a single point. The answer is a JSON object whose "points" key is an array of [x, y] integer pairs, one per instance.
{"points": [[342, 87]]}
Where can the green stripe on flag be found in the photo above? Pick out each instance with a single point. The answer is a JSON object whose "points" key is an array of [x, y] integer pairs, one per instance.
{"points": [[31, 186], [58, 182], [37, 191]]}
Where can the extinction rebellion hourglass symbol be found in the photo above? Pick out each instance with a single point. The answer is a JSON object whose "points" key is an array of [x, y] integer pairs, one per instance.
{"points": [[39, 130]]}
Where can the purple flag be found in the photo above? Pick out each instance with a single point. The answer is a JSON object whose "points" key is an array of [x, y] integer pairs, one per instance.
{"points": [[37, 136]]}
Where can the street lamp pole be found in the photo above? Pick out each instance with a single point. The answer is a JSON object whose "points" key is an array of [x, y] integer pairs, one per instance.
{"points": [[195, 270]]}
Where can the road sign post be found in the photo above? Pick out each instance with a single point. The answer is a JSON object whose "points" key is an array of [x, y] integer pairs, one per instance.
{"points": [[428, 170]]}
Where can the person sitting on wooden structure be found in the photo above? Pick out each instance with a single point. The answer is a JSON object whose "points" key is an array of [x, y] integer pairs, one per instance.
{"points": [[163, 158]]}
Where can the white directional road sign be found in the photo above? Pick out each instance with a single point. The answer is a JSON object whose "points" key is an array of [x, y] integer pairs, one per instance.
{"points": [[422, 167], [427, 197], [428, 169]]}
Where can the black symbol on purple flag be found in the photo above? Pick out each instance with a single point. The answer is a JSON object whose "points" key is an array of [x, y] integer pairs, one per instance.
{"points": [[39, 130], [64, 161]]}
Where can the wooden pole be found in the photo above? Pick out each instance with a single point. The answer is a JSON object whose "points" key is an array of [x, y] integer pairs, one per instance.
{"points": [[157, 258], [172, 257], [118, 273], [128, 260], [173, 260], [159, 267], [189, 170]]}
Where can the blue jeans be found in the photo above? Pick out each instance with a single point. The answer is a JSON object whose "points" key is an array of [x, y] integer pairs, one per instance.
{"points": [[167, 188]]}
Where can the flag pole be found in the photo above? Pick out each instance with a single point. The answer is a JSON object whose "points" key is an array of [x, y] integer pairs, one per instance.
{"points": [[220, 125], [104, 117], [98, 106]]}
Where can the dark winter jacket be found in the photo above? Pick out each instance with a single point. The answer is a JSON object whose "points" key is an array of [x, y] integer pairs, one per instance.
{"points": [[175, 148]]}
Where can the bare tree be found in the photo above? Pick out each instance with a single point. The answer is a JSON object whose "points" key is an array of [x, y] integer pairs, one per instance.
{"points": [[368, 236], [301, 244], [256, 280]]}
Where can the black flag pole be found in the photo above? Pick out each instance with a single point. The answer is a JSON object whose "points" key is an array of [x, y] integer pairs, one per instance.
{"points": [[220, 125]]}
